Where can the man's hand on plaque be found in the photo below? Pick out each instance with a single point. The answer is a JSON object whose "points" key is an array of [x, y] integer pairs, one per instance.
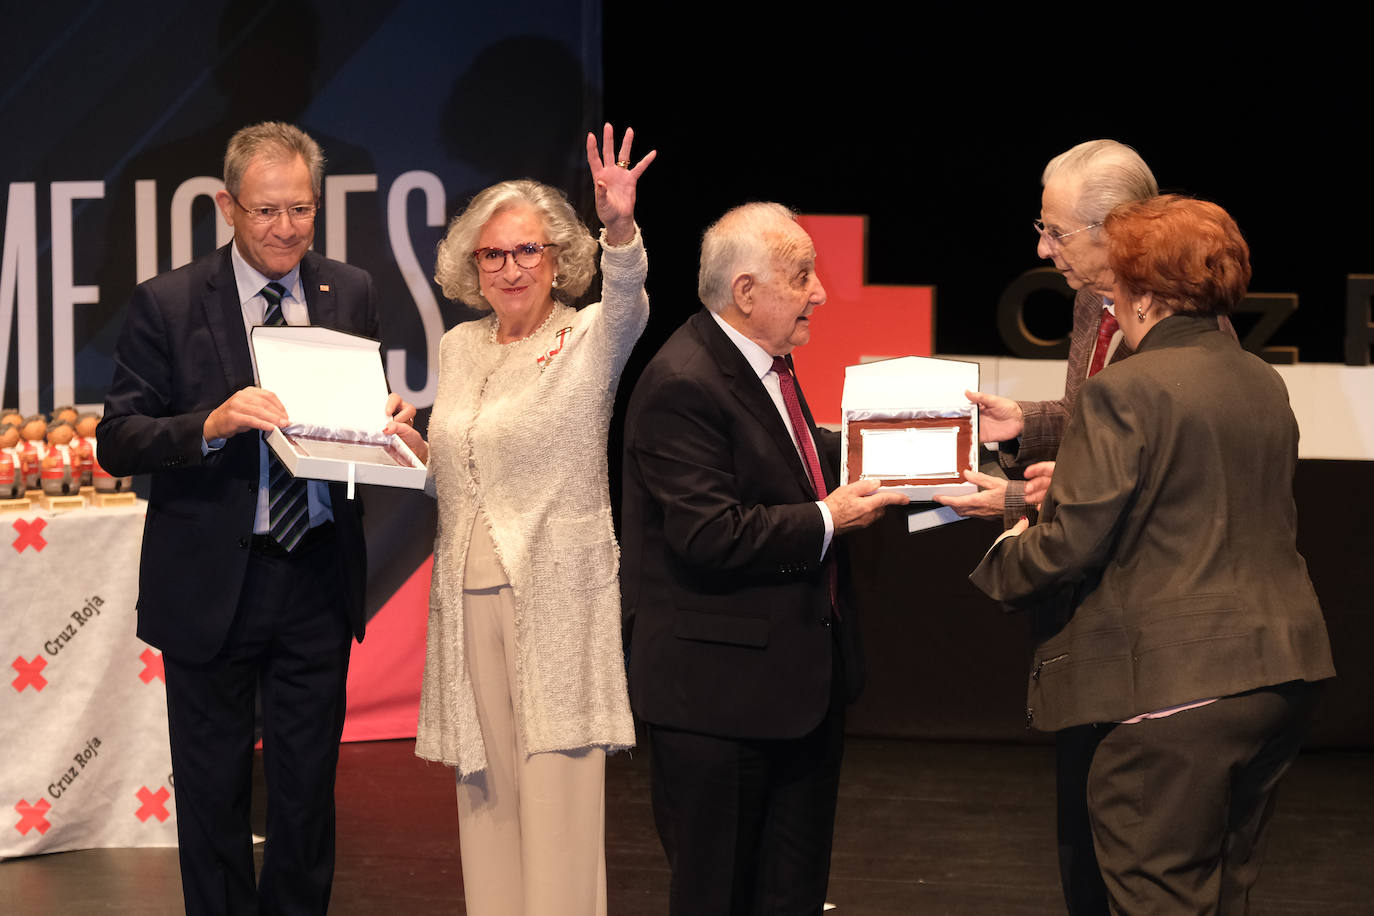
{"points": [[860, 504], [986, 503], [999, 419]]}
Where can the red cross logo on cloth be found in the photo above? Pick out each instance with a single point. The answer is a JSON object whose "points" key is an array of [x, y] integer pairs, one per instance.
{"points": [[30, 534], [152, 667], [32, 817], [29, 673], [154, 803]]}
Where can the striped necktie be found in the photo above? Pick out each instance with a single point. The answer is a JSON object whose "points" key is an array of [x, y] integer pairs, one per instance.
{"points": [[288, 505]]}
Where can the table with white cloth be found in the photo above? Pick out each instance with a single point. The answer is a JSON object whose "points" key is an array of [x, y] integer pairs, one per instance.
{"points": [[83, 706]]}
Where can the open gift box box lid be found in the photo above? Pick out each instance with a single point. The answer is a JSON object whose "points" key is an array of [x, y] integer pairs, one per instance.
{"points": [[908, 423], [332, 386]]}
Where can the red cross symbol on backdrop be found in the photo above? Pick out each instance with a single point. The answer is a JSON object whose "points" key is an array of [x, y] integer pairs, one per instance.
{"points": [[30, 534], [154, 803], [32, 817], [29, 673], [152, 667], [842, 331]]}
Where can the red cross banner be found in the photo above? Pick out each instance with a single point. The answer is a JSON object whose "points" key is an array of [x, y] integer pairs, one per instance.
{"points": [[83, 704]]}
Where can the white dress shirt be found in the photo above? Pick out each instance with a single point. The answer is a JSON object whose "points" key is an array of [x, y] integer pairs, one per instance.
{"points": [[254, 307], [761, 361]]}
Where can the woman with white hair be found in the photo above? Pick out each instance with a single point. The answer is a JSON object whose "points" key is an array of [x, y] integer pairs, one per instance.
{"points": [[524, 686]]}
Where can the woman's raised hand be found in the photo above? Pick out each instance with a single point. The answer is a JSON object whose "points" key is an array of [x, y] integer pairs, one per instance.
{"points": [[615, 182]]}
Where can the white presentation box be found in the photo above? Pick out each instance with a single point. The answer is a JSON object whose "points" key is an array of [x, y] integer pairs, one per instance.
{"points": [[907, 423], [334, 391]]}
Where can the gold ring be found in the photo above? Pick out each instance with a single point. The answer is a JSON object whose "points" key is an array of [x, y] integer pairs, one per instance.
{"points": [[624, 163]]}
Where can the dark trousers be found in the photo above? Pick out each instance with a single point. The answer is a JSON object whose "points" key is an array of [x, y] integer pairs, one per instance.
{"points": [[1085, 894], [290, 640], [1180, 805], [747, 824]]}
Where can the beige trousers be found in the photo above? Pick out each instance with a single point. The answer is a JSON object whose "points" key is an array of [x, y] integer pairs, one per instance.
{"points": [[531, 828]]}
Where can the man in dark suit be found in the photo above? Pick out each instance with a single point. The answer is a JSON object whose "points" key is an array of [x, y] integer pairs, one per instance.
{"points": [[741, 659], [251, 581]]}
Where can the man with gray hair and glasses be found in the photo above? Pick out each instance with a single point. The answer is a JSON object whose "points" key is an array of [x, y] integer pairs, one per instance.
{"points": [[251, 580], [1081, 186]]}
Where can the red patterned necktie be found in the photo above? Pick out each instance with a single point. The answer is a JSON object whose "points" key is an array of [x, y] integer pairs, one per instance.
{"points": [[1104, 340]]}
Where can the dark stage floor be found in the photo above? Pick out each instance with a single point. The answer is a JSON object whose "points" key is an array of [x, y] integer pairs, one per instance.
{"points": [[923, 828]]}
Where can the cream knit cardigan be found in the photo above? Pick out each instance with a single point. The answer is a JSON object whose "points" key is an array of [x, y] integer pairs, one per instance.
{"points": [[518, 432]]}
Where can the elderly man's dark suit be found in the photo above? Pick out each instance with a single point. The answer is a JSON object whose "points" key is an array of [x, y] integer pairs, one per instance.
{"points": [[728, 605], [183, 352]]}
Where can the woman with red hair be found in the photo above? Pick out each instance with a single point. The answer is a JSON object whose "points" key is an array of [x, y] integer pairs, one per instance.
{"points": [[1169, 604]]}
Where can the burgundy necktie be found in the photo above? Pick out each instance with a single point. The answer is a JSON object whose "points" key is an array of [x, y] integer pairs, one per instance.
{"points": [[799, 428], [788, 384], [1104, 340]]}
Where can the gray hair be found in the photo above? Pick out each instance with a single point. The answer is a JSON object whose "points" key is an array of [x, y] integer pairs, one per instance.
{"points": [[455, 270], [276, 142], [741, 241], [1109, 174]]}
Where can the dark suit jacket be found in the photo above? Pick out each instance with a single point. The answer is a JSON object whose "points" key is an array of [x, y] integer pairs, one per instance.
{"points": [[181, 353], [1165, 566], [726, 597]]}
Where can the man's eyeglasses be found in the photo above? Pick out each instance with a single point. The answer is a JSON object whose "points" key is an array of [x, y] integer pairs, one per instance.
{"points": [[300, 213], [1054, 235], [526, 256]]}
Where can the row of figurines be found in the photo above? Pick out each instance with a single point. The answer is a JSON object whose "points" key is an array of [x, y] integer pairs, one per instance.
{"points": [[54, 455]]}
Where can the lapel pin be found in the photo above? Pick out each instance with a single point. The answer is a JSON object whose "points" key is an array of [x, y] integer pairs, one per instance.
{"points": [[324, 287]]}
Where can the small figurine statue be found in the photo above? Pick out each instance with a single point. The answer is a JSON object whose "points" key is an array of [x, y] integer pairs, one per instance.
{"points": [[33, 447], [84, 445], [104, 483], [57, 465], [11, 469]]}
